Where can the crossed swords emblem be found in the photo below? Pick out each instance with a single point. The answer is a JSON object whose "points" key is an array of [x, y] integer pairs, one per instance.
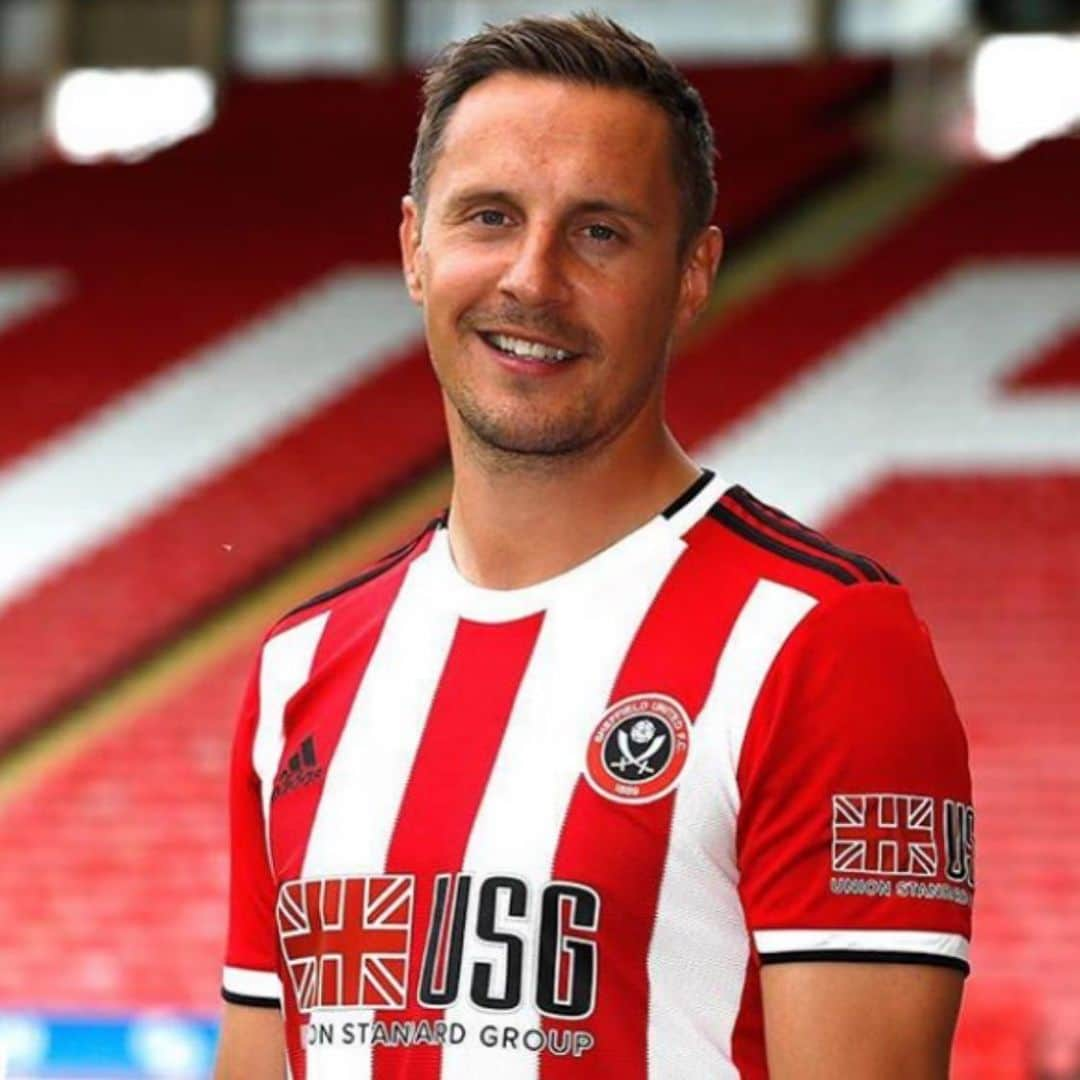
{"points": [[640, 761]]}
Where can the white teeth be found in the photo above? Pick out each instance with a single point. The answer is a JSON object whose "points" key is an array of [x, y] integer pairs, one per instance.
{"points": [[533, 350]]}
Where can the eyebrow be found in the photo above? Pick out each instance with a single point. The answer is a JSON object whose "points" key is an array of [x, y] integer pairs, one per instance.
{"points": [[605, 206], [470, 196], [476, 195]]}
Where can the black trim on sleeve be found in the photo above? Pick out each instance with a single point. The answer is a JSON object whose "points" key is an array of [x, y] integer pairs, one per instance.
{"points": [[865, 956], [796, 530], [722, 514], [246, 999]]}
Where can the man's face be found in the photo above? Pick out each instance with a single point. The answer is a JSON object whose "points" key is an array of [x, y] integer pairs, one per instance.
{"points": [[547, 263]]}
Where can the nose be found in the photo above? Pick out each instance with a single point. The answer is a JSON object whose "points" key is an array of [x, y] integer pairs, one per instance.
{"points": [[535, 274]]}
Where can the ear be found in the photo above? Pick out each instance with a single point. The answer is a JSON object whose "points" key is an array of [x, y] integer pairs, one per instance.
{"points": [[409, 238], [698, 276]]}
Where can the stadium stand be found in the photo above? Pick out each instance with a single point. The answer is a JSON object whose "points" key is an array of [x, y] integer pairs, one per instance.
{"points": [[151, 264], [114, 899]]}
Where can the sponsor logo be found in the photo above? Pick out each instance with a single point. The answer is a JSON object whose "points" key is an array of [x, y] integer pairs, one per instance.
{"points": [[883, 833], [885, 836], [300, 770], [346, 944], [557, 1041], [638, 750], [345, 941], [960, 843]]}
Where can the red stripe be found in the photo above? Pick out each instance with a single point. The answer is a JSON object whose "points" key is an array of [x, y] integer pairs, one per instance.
{"points": [[674, 652], [449, 775], [126, 321], [323, 703], [1056, 367]]}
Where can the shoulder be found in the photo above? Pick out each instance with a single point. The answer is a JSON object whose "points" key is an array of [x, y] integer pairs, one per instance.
{"points": [[857, 678], [854, 645], [288, 653], [764, 542], [370, 590]]}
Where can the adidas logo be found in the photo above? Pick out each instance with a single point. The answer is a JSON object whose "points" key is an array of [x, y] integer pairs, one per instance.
{"points": [[299, 771]]}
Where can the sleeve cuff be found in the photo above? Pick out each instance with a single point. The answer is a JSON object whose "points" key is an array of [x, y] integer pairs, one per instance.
{"points": [[243, 986], [863, 946]]}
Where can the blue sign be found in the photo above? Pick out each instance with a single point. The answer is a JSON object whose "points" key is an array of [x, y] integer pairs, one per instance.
{"points": [[150, 1045]]}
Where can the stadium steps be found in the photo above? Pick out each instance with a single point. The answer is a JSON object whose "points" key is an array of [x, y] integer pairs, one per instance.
{"points": [[157, 260], [148, 791]]}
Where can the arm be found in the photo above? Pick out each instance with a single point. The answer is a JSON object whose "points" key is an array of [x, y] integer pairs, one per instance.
{"points": [[859, 1021], [252, 1045], [856, 842]]}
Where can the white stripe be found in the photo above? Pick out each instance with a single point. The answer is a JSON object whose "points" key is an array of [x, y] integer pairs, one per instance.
{"points": [[285, 667], [921, 388], [191, 420], [699, 949], [23, 293], [563, 696], [766, 621], [366, 778], [905, 941], [258, 984], [367, 775]]}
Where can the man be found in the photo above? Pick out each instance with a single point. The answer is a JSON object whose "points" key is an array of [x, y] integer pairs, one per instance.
{"points": [[614, 771]]}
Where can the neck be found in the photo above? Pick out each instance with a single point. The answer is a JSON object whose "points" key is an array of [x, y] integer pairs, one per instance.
{"points": [[516, 520]]}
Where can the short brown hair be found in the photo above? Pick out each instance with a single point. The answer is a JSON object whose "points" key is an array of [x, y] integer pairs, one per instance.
{"points": [[585, 48]]}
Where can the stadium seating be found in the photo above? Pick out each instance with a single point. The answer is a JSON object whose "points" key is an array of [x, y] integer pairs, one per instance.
{"points": [[159, 261], [114, 898]]}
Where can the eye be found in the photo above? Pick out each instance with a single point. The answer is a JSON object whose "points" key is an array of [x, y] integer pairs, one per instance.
{"points": [[603, 233], [491, 218]]}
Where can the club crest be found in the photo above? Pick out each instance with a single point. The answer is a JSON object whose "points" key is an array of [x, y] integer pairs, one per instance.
{"points": [[638, 750]]}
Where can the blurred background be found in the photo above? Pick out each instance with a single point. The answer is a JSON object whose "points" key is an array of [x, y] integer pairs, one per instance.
{"points": [[215, 401]]}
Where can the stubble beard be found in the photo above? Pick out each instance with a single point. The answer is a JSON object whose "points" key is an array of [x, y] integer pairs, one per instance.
{"points": [[523, 437], [522, 430], [523, 434]]}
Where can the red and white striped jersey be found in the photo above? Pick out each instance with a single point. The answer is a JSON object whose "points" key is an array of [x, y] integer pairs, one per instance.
{"points": [[555, 831]]}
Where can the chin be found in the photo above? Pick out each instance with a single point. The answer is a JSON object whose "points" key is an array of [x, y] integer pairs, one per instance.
{"points": [[544, 437], [533, 443]]}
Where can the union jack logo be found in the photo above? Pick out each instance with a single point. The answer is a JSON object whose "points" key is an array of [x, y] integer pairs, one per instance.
{"points": [[883, 833], [346, 940]]}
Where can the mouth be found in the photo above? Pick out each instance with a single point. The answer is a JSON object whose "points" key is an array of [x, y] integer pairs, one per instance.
{"points": [[526, 350]]}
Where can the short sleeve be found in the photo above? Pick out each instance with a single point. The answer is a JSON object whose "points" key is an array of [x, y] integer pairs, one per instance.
{"points": [[250, 975], [856, 830]]}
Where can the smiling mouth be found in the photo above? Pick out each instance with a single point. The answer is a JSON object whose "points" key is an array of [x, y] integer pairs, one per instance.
{"points": [[524, 349]]}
